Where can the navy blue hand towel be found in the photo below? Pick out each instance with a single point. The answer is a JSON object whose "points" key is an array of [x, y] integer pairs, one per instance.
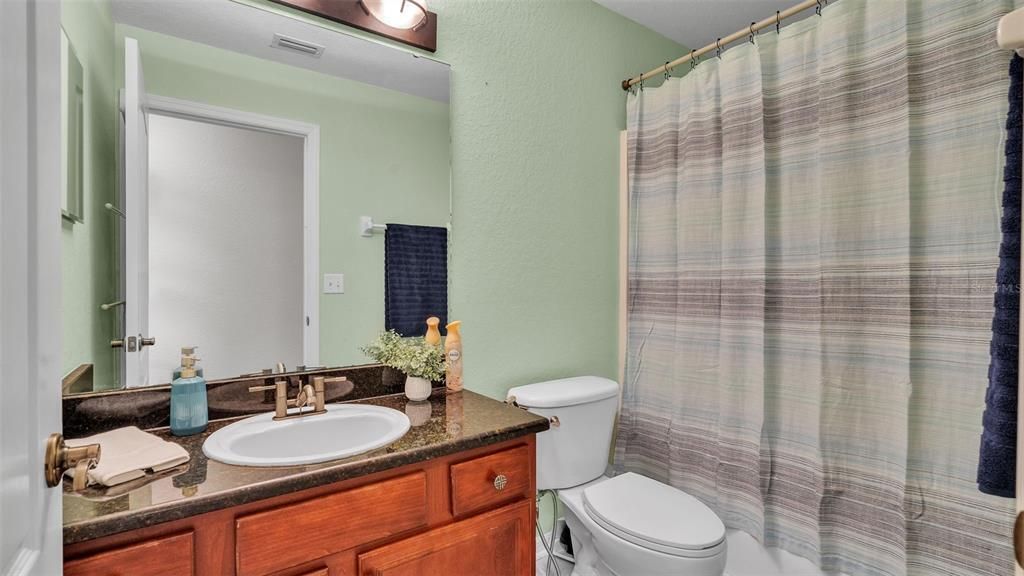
{"points": [[415, 278], [997, 462]]}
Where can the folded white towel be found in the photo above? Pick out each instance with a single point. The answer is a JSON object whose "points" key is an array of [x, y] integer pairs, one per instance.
{"points": [[128, 453]]}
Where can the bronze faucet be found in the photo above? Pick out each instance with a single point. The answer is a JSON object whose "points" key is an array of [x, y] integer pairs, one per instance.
{"points": [[309, 395]]}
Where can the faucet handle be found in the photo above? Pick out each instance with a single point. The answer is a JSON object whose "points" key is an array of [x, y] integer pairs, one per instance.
{"points": [[279, 385]]}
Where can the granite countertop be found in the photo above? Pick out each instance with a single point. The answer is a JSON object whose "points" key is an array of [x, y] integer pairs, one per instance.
{"points": [[443, 424]]}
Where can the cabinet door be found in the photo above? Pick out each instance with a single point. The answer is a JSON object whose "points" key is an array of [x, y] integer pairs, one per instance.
{"points": [[498, 543]]}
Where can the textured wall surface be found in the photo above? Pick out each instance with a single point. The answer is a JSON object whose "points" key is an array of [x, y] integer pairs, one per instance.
{"points": [[536, 109], [382, 153], [87, 248], [536, 112]]}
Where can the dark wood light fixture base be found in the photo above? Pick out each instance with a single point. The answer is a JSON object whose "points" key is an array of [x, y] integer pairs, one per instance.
{"points": [[350, 13]]}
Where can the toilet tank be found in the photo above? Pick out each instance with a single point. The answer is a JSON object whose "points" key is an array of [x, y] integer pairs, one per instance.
{"points": [[575, 450]]}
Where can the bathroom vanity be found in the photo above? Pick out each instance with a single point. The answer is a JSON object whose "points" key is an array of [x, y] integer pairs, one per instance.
{"points": [[455, 495]]}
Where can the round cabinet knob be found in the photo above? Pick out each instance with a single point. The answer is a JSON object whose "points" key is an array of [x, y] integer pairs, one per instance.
{"points": [[500, 481]]}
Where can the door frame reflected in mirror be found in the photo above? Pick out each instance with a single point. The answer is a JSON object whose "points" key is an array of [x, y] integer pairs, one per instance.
{"points": [[310, 136]]}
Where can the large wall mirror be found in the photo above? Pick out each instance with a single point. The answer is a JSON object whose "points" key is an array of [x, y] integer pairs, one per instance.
{"points": [[231, 154]]}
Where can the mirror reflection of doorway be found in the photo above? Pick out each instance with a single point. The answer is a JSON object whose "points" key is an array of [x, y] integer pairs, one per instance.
{"points": [[225, 246]]}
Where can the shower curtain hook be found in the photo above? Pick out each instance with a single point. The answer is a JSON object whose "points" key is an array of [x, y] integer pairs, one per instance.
{"points": [[718, 48], [693, 60], [777, 19], [817, 10], [752, 32], [667, 74]]}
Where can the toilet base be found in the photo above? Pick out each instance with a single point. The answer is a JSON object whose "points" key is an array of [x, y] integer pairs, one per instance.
{"points": [[601, 553]]}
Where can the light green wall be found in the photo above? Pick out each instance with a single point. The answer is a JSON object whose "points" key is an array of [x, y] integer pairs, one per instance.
{"points": [[383, 154], [536, 112], [88, 250]]}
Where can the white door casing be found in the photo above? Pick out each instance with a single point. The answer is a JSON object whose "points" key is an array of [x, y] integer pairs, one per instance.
{"points": [[310, 135], [136, 209], [30, 512]]}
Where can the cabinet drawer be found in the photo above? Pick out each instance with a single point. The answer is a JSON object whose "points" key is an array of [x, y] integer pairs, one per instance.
{"points": [[169, 556], [276, 539], [490, 480]]}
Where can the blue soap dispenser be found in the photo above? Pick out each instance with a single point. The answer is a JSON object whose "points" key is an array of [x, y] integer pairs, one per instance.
{"points": [[189, 412]]}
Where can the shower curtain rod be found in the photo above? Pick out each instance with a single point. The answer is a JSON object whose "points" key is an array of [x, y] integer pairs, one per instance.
{"points": [[721, 42]]}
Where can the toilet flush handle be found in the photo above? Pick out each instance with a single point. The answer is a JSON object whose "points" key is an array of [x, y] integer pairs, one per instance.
{"points": [[511, 401]]}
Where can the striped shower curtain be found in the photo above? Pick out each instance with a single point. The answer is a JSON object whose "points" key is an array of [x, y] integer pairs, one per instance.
{"points": [[814, 233]]}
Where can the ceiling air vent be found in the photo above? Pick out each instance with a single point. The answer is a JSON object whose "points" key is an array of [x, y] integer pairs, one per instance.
{"points": [[295, 45]]}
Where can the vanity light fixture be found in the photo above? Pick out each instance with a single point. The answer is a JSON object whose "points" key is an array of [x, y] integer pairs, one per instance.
{"points": [[405, 21], [400, 14]]}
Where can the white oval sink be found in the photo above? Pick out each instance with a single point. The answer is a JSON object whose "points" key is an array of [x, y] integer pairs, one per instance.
{"points": [[345, 430]]}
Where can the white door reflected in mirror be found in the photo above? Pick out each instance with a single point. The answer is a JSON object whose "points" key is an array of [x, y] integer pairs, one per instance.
{"points": [[136, 225], [226, 253]]}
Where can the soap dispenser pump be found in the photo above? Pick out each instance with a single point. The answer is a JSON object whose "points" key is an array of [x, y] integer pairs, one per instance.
{"points": [[189, 351], [189, 411]]}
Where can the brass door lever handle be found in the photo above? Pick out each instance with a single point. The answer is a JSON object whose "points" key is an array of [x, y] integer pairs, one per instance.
{"points": [[60, 458]]}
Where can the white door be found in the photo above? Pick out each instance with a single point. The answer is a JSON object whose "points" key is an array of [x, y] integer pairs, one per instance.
{"points": [[136, 208], [30, 512]]}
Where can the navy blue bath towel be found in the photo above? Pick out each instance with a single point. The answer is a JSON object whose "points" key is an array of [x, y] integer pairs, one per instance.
{"points": [[997, 462], [415, 278]]}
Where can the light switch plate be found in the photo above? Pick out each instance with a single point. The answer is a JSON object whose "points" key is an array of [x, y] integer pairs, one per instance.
{"points": [[334, 283]]}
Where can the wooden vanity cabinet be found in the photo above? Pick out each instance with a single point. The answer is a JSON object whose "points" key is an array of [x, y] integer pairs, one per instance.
{"points": [[470, 513]]}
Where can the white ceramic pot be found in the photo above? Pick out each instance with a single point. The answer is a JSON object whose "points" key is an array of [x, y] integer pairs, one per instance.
{"points": [[417, 388]]}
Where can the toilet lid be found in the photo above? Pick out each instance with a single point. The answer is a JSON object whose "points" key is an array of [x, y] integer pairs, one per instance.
{"points": [[654, 515]]}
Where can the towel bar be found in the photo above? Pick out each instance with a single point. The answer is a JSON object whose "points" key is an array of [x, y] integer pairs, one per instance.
{"points": [[367, 227]]}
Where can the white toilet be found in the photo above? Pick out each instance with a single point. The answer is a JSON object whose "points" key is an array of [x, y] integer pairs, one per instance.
{"points": [[629, 525]]}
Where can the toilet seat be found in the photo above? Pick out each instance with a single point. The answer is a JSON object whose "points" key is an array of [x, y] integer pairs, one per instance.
{"points": [[655, 516]]}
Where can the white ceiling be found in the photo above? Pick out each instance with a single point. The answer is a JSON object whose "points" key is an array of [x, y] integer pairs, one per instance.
{"points": [[249, 30], [696, 23]]}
